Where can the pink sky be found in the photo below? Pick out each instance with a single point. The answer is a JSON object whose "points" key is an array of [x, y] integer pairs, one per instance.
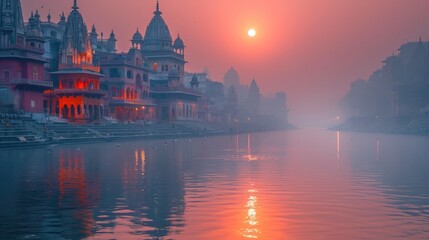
{"points": [[310, 49]]}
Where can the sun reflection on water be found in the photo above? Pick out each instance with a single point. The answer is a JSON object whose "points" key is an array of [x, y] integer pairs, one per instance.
{"points": [[251, 224]]}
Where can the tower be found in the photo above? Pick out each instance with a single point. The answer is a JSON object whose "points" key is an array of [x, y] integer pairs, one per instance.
{"points": [[111, 43], [11, 23], [78, 97]]}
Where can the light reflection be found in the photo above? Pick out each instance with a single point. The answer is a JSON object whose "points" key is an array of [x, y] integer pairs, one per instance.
{"points": [[338, 149], [250, 229], [378, 149], [139, 161], [249, 155], [73, 190]]}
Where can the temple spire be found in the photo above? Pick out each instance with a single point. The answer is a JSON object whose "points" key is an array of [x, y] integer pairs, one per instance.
{"points": [[75, 7], [157, 8]]}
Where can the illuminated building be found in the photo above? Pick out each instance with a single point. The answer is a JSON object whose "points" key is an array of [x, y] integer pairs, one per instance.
{"points": [[78, 96], [21, 59], [126, 78]]}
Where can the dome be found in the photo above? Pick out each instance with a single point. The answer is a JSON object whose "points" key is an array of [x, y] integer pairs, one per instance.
{"points": [[157, 32], [178, 43], [137, 36], [231, 77]]}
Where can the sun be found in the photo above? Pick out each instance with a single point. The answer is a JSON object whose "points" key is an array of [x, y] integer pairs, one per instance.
{"points": [[251, 32]]}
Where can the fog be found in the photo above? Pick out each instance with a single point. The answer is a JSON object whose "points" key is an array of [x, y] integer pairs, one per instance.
{"points": [[312, 50]]}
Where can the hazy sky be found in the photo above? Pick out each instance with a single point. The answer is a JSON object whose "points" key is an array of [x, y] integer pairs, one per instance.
{"points": [[311, 49]]}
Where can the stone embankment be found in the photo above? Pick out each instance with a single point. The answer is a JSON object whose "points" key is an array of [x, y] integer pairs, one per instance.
{"points": [[16, 133]]}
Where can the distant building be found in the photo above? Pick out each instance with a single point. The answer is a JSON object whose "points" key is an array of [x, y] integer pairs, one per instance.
{"points": [[231, 78], [213, 98], [231, 105], [102, 45], [253, 98], [21, 59], [400, 88]]}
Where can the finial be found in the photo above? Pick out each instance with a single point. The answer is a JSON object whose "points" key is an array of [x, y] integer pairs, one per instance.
{"points": [[420, 40], [157, 8], [49, 16], [75, 7]]}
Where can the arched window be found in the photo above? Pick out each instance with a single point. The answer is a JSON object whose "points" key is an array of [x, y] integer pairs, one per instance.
{"points": [[129, 74], [138, 81], [113, 92], [127, 96]]}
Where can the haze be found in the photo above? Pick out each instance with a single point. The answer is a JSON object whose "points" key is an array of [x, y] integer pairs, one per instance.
{"points": [[310, 49]]}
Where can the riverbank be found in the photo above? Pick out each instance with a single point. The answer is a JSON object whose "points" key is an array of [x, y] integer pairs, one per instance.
{"points": [[409, 126], [21, 134]]}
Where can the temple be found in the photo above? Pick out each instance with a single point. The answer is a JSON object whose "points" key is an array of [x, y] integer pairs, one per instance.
{"points": [[78, 96], [175, 101], [64, 71]]}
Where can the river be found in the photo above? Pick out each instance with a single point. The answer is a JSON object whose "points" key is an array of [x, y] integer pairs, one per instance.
{"points": [[303, 184]]}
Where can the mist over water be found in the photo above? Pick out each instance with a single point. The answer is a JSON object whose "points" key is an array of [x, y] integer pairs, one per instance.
{"points": [[303, 184]]}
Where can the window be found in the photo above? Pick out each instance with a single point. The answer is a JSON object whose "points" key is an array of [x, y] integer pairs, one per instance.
{"points": [[35, 73], [6, 74], [8, 4], [166, 68], [129, 74], [114, 73]]}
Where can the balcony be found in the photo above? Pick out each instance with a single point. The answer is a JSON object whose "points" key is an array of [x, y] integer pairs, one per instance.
{"points": [[31, 82], [71, 91], [81, 66], [120, 101], [162, 89]]}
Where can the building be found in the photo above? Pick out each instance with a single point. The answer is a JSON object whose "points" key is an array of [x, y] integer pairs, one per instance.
{"points": [[253, 98], [212, 102], [175, 102], [78, 97], [21, 59], [126, 79]]}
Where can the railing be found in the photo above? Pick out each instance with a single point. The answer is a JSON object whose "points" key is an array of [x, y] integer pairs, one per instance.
{"points": [[83, 66], [88, 91], [131, 101], [42, 83], [175, 89], [23, 47]]}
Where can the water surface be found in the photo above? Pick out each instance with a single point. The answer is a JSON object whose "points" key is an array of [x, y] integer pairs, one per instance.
{"points": [[304, 184]]}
